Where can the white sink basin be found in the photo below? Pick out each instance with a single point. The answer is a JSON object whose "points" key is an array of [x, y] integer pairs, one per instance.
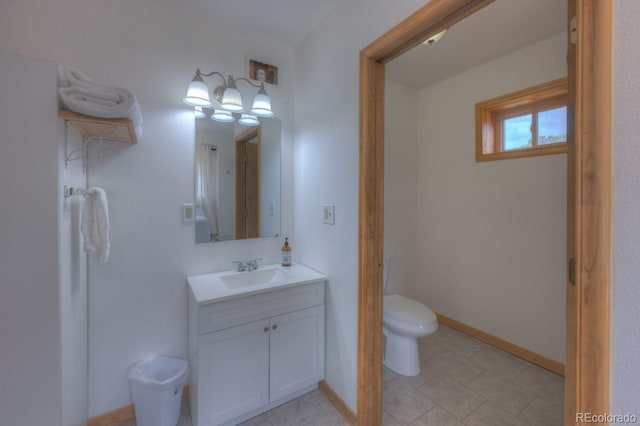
{"points": [[216, 286], [259, 276]]}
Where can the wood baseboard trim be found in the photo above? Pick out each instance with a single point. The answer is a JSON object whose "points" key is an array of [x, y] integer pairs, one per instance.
{"points": [[499, 343], [122, 414], [337, 402]]}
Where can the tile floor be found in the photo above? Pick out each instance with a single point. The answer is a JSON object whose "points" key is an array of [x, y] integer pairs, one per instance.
{"points": [[311, 409], [463, 382]]}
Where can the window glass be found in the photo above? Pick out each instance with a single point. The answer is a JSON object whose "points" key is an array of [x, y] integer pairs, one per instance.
{"points": [[517, 132], [552, 126]]}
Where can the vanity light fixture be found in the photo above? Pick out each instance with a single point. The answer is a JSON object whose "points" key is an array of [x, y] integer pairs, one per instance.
{"points": [[434, 38], [222, 116], [230, 99], [249, 120], [198, 112]]}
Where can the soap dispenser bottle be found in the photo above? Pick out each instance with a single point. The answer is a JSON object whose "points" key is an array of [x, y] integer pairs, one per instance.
{"points": [[286, 253]]}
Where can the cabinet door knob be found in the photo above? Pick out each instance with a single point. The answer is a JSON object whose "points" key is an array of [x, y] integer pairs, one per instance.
{"points": [[274, 326], [266, 329]]}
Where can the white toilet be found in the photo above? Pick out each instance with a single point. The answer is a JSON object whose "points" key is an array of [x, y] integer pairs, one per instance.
{"points": [[404, 322]]}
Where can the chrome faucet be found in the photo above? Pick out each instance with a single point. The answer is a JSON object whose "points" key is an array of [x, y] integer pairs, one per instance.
{"points": [[241, 266], [253, 264], [249, 266]]}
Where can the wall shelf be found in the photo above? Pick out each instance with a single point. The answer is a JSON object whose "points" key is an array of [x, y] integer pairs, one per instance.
{"points": [[109, 129]]}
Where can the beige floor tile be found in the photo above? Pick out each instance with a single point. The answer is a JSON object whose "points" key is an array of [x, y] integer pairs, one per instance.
{"points": [[543, 413], [542, 382], [499, 362], [456, 366], [437, 417], [404, 402], [428, 370], [332, 413], [388, 420], [304, 410], [429, 348], [504, 393], [185, 413], [460, 343], [261, 420], [451, 395], [388, 374], [491, 415]]}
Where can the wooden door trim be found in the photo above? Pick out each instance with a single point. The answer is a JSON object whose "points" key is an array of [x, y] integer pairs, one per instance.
{"points": [[593, 203], [241, 184], [591, 370]]}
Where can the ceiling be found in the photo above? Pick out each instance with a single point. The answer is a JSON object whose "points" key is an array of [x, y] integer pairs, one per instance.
{"points": [[288, 21], [499, 28]]}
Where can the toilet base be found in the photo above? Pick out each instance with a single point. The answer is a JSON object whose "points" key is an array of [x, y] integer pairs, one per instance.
{"points": [[401, 354]]}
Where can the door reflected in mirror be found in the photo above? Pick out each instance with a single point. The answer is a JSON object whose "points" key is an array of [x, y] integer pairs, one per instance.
{"points": [[237, 180]]}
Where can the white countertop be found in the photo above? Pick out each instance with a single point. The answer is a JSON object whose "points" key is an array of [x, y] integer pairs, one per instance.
{"points": [[207, 288]]}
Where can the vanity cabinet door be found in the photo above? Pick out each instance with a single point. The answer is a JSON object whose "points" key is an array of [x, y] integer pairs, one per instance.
{"points": [[296, 351], [233, 371]]}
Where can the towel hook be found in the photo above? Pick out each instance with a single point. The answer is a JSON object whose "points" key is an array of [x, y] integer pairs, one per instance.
{"points": [[70, 191]]}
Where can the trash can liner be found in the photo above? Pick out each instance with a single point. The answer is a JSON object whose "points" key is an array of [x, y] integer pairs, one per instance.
{"points": [[156, 390], [162, 372]]}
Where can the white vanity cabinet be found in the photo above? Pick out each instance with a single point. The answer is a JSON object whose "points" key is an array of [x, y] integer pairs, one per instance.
{"points": [[253, 352]]}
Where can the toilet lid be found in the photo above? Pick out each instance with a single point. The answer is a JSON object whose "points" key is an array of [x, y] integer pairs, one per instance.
{"points": [[408, 310]]}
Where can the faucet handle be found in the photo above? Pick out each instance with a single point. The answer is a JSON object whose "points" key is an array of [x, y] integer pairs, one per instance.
{"points": [[241, 266], [254, 263]]}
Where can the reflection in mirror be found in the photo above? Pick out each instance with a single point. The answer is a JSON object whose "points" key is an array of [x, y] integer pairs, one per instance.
{"points": [[237, 180]]}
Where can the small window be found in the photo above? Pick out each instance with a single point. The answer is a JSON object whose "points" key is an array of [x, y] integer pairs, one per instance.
{"points": [[529, 122]]}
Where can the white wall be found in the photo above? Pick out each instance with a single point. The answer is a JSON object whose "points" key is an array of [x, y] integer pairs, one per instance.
{"points": [[30, 355], [138, 300], [491, 236], [326, 167], [73, 288], [401, 187], [270, 177], [625, 379]]}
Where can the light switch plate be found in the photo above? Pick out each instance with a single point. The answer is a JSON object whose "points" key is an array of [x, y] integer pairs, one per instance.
{"points": [[187, 213], [328, 214]]}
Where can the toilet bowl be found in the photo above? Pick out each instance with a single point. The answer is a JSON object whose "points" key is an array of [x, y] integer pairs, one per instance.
{"points": [[404, 322]]}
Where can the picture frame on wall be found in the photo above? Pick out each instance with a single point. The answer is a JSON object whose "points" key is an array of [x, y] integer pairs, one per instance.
{"points": [[263, 72]]}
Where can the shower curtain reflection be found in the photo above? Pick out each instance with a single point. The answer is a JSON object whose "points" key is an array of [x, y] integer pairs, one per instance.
{"points": [[206, 193]]}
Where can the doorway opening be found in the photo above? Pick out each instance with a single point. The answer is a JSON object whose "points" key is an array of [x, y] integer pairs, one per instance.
{"points": [[589, 235]]}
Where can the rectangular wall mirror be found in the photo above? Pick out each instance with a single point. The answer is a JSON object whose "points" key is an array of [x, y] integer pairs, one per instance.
{"points": [[237, 180]]}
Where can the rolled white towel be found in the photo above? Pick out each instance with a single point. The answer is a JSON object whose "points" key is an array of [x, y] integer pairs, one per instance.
{"points": [[102, 101], [72, 77], [81, 94]]}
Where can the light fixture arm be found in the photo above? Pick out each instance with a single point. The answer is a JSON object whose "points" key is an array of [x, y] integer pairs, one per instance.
{"points": [[210, 74], [231, 82], [261, 85]]}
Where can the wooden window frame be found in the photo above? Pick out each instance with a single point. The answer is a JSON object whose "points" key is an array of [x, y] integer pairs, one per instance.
{"points": [[491, 113]]}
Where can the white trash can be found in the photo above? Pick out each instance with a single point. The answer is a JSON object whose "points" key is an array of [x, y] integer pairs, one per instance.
{"points": [[156, 388]]}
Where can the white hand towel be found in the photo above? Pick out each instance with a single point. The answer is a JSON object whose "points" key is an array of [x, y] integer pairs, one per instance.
{"points": [[95, 225]]}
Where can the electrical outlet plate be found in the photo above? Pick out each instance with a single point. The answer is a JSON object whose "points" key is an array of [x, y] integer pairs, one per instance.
{"points": [[328, 214]]}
